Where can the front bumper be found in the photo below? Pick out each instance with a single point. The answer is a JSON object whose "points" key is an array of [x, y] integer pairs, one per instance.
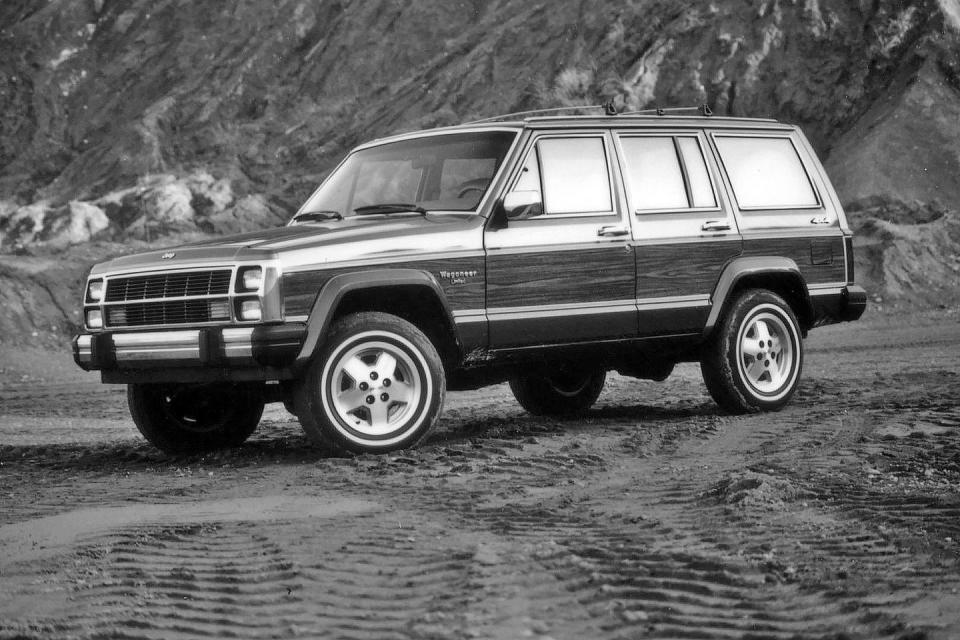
{"points": [[223, 353]]}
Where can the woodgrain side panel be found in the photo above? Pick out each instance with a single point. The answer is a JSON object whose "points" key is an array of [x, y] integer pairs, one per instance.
{"points": [[461, 279], [559, 277], [548, 297], [682, 269], [820, 258]]}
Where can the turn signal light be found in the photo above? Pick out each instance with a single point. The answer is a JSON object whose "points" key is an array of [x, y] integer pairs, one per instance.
{"points": [[95, 319]]}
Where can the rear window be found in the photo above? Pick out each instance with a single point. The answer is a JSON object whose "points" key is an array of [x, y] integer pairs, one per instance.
{"points": [[766, 173]]}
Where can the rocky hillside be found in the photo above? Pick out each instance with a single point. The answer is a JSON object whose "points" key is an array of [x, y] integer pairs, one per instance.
{"points": [[138, 119]]}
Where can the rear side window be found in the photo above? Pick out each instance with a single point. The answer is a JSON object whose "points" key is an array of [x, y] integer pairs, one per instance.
{"points": [[575, 176], [666, 173], [766, 173]]}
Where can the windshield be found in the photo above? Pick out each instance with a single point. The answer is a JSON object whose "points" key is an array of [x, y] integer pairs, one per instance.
{"points": [[436, 173]]}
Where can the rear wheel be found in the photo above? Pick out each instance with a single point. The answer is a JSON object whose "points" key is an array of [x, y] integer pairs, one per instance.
{"points": [[192, 418], [754, 360], [569, 391], [378, 385]]}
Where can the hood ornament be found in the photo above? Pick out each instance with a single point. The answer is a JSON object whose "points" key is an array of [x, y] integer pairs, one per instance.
{"points": [[168, 255]]}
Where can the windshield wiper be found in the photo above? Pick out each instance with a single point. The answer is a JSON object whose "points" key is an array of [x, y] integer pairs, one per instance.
{"points": [[318, 215], [389, 207]]}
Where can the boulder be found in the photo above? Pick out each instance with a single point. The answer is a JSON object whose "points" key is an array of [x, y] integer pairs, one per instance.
{"points": [[250, 213], [210, 196], [158, 204], [21, 227], [75, 223]]}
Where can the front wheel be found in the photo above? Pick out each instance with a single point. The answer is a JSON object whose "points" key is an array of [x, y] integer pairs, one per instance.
{"points": [[566, 392], [753, 361], [378, 385], [193, 418]]}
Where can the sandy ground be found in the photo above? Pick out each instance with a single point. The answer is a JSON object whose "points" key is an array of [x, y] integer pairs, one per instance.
{"points": [[656, 516]]}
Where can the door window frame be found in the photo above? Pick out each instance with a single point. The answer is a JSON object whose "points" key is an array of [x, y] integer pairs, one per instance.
{"points": [[609, 159], [685, 176]]}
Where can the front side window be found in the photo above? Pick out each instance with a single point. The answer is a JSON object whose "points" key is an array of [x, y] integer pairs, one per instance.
{"points": [[438, 173], [766, 173], [574, 175], [666, 173]]}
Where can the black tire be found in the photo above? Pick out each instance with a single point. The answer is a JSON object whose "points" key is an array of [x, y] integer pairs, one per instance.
{"points": [[193, 418], [570, 392], [377, 385], [753, 361]]}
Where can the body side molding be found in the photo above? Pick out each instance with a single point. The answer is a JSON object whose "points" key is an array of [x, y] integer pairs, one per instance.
{"points": [[340, 285], [741, 268]]}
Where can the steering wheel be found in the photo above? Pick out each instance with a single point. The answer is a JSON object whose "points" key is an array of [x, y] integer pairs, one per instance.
{"points": [[477, 184]]}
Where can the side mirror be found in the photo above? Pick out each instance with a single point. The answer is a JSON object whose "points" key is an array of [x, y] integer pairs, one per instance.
{"points": [[520, 205]]}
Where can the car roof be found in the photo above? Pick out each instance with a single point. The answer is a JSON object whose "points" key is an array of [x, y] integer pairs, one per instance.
{"points": [[620, 122]]}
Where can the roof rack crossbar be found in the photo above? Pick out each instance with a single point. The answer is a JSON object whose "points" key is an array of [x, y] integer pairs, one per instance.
{"points": [[702, 109]]}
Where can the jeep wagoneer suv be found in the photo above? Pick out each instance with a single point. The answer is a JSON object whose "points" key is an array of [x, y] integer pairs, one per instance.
{"points": [[543, 251]]}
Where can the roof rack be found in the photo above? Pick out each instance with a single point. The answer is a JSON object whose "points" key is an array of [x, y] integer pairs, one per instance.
{"points": [[606, 106], [702, 109], [608, 109]]}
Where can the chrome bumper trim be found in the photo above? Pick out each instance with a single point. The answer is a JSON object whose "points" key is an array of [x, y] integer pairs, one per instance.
{"points": [[165, 345], [238, 343], [268, 346], [85, 349]]}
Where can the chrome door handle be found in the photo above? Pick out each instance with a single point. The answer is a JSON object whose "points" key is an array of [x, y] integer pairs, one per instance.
{"points": [[715, 225], [612, 231]]}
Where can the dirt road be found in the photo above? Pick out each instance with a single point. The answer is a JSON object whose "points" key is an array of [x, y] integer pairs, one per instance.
{"points": [[656, 516]]}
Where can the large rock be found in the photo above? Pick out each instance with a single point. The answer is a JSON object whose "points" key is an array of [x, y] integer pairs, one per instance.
{"points": [[251, 213], [157, 206], [42, 225], [209, 196], [23, 226], [77, 222]]}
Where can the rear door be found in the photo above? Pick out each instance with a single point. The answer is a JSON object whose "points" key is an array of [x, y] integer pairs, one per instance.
{"points": [[567, 274], [785, 206], [684, 230]]}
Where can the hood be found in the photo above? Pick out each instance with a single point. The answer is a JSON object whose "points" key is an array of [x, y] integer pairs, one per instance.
{"points": [[317, 243]]}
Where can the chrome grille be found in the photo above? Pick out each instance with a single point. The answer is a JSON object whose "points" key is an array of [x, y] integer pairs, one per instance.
{"points": [[172, 298], [169, 285], [142, 314]]}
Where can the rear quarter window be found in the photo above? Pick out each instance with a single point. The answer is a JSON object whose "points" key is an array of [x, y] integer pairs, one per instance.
{"points": [[766, 172]]}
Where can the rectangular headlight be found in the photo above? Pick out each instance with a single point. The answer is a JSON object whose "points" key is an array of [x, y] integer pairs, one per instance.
{"points": [[95, 291], [250, 310], [250, 279], [94, 319]]}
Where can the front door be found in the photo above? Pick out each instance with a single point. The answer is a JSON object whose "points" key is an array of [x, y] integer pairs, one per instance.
{"points": [[565, 273], [684, 231]]}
